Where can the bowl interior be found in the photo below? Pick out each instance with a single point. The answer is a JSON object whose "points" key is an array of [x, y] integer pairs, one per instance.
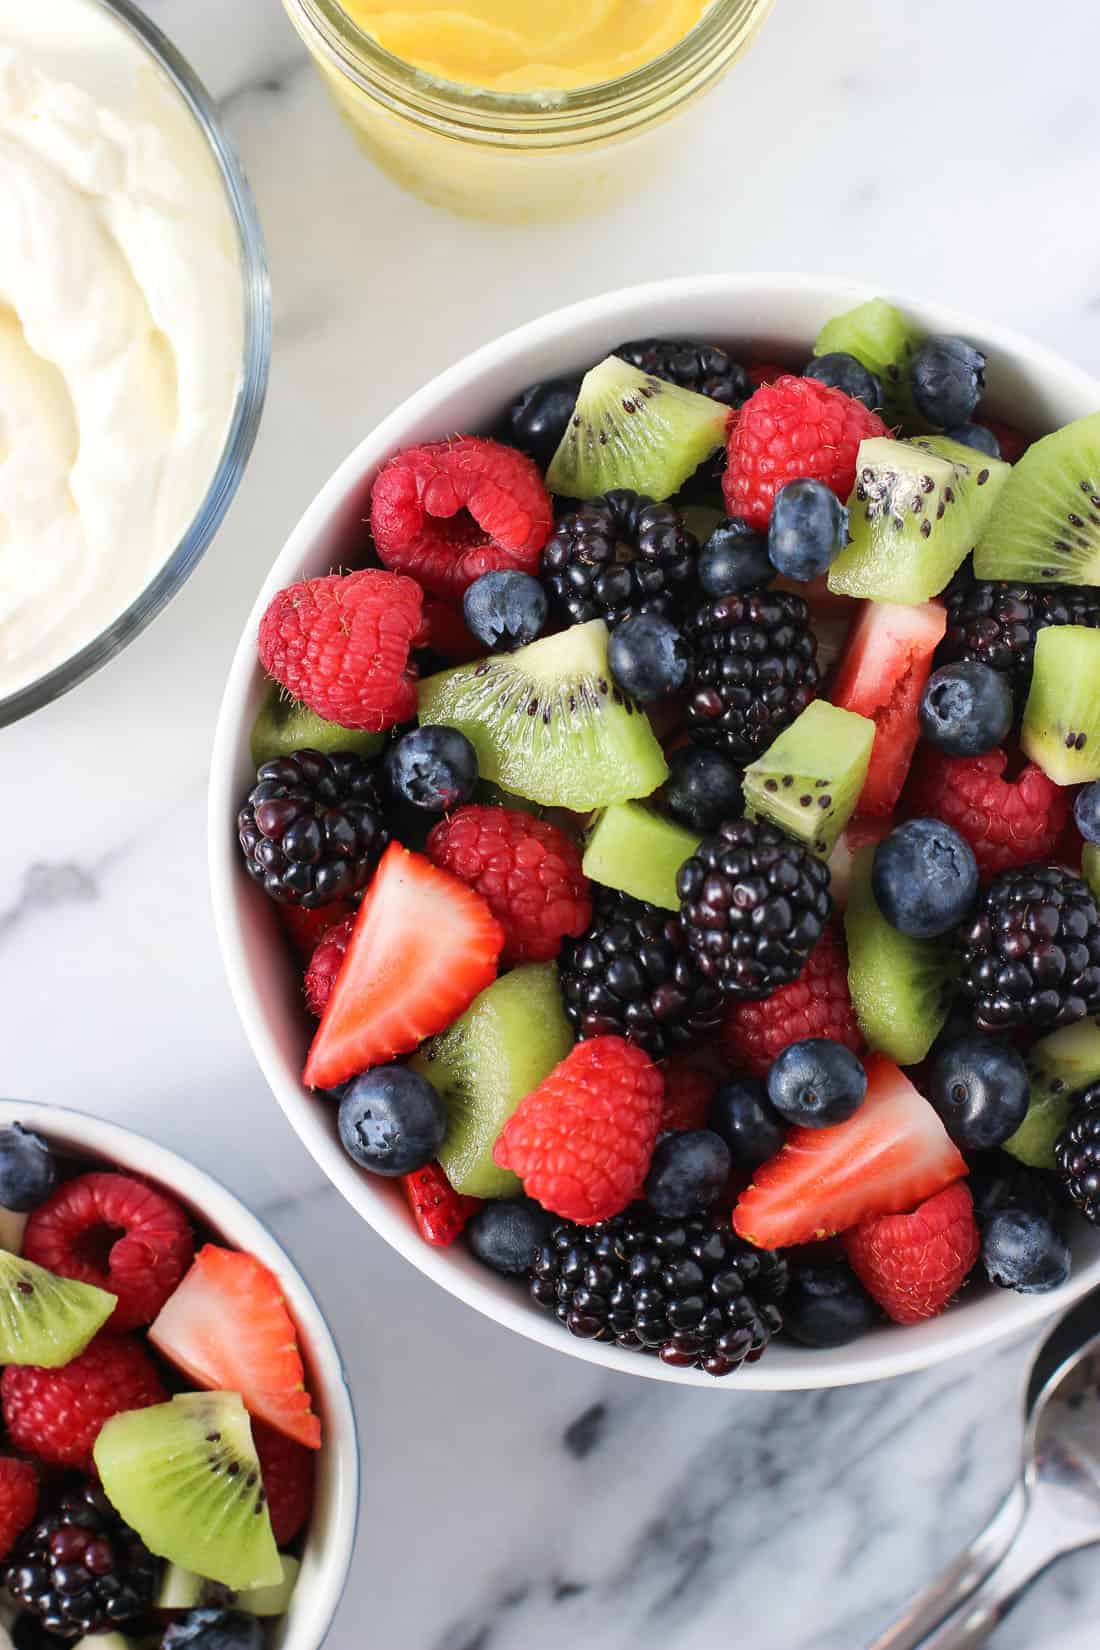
{"points": [[326, 1554], [771, 317]]}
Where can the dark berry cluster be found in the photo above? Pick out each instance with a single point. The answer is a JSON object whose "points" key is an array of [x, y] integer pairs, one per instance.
{"points": [[80, 1569], [312, 827], [619, 555]]}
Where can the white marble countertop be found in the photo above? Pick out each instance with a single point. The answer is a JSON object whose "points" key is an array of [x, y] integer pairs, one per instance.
{"points": [[941, 148]]}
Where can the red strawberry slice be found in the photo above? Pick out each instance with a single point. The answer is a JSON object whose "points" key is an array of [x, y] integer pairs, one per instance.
{"points": [[913, 1264], [424, 945], [886, 1159], [881, 675], [439, 1211], [228, 1328]]}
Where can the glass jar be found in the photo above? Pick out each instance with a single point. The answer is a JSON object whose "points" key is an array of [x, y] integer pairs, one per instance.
{"points": [[519, 156]]}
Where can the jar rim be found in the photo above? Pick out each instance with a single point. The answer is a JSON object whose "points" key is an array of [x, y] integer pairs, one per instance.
{"points": [[575, 114]]}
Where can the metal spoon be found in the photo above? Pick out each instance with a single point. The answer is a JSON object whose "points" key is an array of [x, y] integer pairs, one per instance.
{"points": [[1053, 1508]]}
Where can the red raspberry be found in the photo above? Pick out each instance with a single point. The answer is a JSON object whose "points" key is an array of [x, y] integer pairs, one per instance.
{"points": [[306, 929], [1006, 822], [817, 1004], [689, 1090], [452, 510], [325, 964], [56, 1414], [913, 1264], [18, 1500], [581, 1142], [75, 1233], [286, 1468], [443, 629], [527, 870], [795, 427], [341, 645], [439, 1211]]}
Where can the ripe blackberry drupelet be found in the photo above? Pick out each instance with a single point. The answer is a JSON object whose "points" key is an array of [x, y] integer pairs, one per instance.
{"points": [[630, 975], [695, 1295], [80, 1569], [996, 624], [704, 368], [312, 828], [1077, 1154], [754, 669], [619, 555], [1030, 955], [753, 903]]}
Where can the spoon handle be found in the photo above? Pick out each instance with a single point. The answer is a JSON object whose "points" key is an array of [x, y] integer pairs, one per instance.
{"points": [[962, 1577]]}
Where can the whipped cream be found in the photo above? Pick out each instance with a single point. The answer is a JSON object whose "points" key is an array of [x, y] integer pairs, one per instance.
{"points": [[121, 326]]}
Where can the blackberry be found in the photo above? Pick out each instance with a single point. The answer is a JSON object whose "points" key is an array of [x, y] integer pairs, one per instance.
{"points": [[312, 828], [695, 1295], [755, 669], [996, 624], [704, 368], [630, 975], [619, 555], [1077, 1154], [1030, 955], [753, 903], [80, 1569]]}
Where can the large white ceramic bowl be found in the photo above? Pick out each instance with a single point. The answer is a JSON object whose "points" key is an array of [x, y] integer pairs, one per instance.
{"points": [[762, 315], [326, 1555]]}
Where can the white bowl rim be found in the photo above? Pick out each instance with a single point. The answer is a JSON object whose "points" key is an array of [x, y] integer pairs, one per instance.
{"points": [[887, 1352], [305, 1628]]}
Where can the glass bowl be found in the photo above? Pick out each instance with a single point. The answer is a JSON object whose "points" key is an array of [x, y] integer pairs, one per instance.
{"points": [[245, 416]]}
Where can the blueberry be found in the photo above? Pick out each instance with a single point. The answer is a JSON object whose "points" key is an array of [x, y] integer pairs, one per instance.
{"points": [[391, 1120], [1086, 811], [1023, 1250], [978, 437], [747, 1121], [537, 419], [947, 376], [826, 1305], [966, 708], [703, 787], [210, 1628], [648, 657], [842, 371], [816, 1083], [432, 768], [686, 1173], [980, 1089], [28, 1172], [505, 610], [507, 1234], [734, 559], [809, 529], [924, 878]]}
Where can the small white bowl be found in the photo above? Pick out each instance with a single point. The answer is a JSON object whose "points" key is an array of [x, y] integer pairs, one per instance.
{"points": [[766, 316], [326, 1555]]}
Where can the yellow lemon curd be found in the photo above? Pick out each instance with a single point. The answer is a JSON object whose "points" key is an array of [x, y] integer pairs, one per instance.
{"points": [[527, 45]]}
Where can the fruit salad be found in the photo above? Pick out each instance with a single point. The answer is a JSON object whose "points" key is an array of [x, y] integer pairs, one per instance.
{"points": [[160, 1441], [685, 819]]}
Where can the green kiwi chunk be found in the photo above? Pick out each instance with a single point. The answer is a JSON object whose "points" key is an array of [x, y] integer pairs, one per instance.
{"points": [[106, 1641], [283, 725], [1059, 1067], [1090, 868], [512, 1036], [629, 429], [46, 1320], [179, 1589], [912, 517], [1046, 527], [548, 724], [881, 338], [637, 851], [808, 780], [186, 1477], [900, 987], [274, 1600], [1061, 726]]}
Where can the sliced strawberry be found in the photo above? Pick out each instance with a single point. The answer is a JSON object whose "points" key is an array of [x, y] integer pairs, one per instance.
{"points": [[439, 1211], [1012, 442], [881, 675], [424, 946], [228, 1328], [886, 1159]]}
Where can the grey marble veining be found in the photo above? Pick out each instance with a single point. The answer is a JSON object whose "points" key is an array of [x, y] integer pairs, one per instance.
{"points": [[517, 1500]]}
